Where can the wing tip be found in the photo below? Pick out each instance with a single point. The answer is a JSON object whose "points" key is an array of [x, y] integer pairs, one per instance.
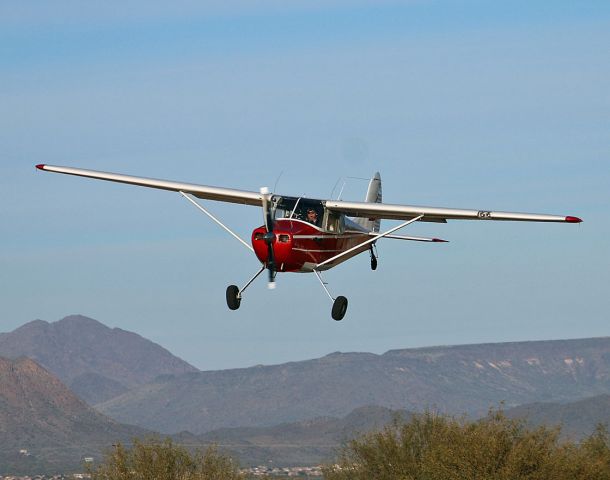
{"points": [[440, 240], [571, 219], [40, 166]]}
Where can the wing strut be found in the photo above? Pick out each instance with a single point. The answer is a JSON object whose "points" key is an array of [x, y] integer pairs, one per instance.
{"points": [[371, 240], [323, 283], [188, 197]]}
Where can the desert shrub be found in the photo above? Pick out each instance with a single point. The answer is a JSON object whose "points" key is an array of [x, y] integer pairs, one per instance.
{"points": [[154, 459], [431, 446]]}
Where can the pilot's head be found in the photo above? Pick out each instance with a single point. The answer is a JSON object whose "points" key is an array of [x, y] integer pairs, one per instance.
{"points": [[312, 215]]}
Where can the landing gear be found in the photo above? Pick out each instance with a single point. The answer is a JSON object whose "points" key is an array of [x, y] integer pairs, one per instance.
{"points": [[373, 259], [339, 303], [233, 297], [234, 293], [339, 308]]}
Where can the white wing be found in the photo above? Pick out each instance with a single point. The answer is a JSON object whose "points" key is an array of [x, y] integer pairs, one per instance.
{"points": [[436, 214], [355, 209], [200, 191]]}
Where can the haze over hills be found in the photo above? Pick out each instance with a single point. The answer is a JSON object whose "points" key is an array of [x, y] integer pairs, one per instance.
{"points": [[97, 362], [41, 415], [454, 379], [577, 419], [309, 442], [316, 441]]}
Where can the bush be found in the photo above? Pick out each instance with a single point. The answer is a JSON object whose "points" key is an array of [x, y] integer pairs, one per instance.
{"points": [[162, 460], [438, 447]]}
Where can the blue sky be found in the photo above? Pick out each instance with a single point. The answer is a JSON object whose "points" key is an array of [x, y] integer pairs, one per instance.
{"points": [[487, 105]]}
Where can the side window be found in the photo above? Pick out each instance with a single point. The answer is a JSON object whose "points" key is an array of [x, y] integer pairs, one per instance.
{"points": [[335, 223]]}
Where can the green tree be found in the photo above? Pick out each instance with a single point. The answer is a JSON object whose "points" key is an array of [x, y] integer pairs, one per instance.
{"points": [[154, 459], [438, 447]]}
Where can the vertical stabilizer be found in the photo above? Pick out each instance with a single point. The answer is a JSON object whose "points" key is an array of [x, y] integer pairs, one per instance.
{"points": [[373, 195]]}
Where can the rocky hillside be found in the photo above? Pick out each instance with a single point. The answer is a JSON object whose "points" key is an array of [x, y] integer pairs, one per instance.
{"points": [[454, 379], [40, 415], [97, 362]]}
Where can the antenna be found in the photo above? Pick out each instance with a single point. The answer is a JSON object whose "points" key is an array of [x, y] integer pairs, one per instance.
{"points": [[341, 191], [277, 180], [335, 186]]}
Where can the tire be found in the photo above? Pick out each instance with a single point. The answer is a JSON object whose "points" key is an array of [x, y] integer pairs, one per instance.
{"points": [[339, 308], [373, 263], [233, 300]]}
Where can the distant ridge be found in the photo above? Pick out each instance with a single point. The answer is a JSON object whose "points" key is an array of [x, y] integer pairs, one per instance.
{"points": [[315, 441], [40, 415], [309, 442], [577, 419], [453, 379], [97, 362]]}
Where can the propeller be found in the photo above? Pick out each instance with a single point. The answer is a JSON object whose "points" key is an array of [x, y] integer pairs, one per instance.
{"points": [[269, 236]]}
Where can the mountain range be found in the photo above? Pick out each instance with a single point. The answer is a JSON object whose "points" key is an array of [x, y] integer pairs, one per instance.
{"points": [[454, 379], [96, 362], [56, 430], [292, 413]]}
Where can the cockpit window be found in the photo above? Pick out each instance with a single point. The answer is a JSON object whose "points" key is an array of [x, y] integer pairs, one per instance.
{"points": [[300, 209]]}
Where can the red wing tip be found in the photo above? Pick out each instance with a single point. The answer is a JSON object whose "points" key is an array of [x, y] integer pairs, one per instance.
{"points": [[573, 220], [40, 166], [440, 240]]}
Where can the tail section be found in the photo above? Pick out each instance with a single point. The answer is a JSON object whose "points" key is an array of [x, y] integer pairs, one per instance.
{"points": [[373, 195]]}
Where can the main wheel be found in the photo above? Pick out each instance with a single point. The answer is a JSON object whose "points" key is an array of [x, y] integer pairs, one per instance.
{"points": [[233, 300], [339, 308], [373, 263]]}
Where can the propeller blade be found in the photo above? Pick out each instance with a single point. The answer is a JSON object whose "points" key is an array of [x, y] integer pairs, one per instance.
{"points": [[269, 236], [271, 266], [266, 210]]}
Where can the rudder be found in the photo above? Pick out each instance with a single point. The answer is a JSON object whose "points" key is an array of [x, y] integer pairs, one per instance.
{"points": [[373, 195]]}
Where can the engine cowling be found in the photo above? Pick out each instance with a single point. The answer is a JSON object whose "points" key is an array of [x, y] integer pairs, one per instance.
{"points": [[282, 247]]}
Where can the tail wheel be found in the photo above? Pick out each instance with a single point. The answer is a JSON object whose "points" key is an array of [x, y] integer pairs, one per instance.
{"points": [[233, 299], [339, 308]]}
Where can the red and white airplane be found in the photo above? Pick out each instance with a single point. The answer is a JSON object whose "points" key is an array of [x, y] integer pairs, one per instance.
{"points": [[310, 235]]}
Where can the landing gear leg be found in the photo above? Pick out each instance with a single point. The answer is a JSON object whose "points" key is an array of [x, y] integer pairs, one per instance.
{"points": [[339, 303], [373, 258], [234, 293]]}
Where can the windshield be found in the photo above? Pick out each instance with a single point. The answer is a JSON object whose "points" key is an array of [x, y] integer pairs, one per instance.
{"points": [[300, 209]]}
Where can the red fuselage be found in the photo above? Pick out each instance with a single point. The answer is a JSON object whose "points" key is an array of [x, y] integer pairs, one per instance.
{"points": [[300, 246]]}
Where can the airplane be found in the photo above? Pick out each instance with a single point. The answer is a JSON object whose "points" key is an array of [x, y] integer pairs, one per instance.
{"points": [[309, 235]]}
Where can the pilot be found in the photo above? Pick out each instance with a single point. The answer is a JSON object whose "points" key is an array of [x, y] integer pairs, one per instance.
{"points": [[312, 216]]}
